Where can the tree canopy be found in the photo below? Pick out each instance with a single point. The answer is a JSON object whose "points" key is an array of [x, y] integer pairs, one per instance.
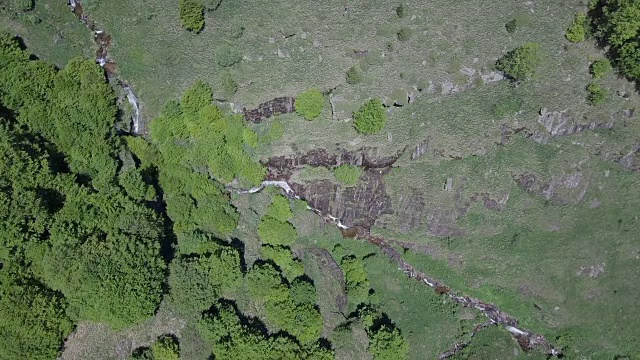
{"points": [[370, 118]]}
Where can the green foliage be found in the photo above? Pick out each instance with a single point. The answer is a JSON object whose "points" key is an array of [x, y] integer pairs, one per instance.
{"points": [[21, 5], [348, 174], [280, 208], [309, 104], [388, 344], [198, 278], [617, 23], [303, 292], [511, 26], [354, 76], [265, 283], [191, 15], [228, 56], [33, 322], [370, 118], [358, 285], [227, 84], [274, 232], [274, 227], [283, 257], [404, 34], [577, 32], [230, 338], [164, 348], [402, 10], [84, 239], [597, 94], [600, 68], [521, 63], [196, 97], [132, 182]]}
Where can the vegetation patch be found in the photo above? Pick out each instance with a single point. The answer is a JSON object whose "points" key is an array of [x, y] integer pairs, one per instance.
{"points": [[191, 15], [348, 174], [370, 118], [578, 30], [309, 104], [521, 63]]}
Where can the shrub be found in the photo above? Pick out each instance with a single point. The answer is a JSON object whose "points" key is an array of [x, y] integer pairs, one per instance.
{"points": [[280, 209], [511, 25], [191, 15], [600, 68], [21, 5], [309, 104], [520, 63], [227, 84], [402, 10], [619, 26], [370, 118], [228, 56], [354, 76], [347, 174], [597, 94], [274, 232], [404, 34], [577, 32], [388, 344]]}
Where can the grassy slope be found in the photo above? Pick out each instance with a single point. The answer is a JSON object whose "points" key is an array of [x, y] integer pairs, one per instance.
{"points": [[57, 37]]}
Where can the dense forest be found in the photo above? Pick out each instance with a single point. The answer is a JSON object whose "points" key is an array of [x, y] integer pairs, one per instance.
{"points": [[102, 227]]}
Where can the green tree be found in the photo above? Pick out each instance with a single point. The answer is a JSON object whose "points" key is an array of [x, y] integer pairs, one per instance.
{"points": [[265, 283], [388, 344], [370, 118], [600, 68], [33, 322], [511, 26], [283, 257], [617, 23], [164, 348], [195, 281], [309, 104], [577, 32], [597, 94], [280, 209], [348, 174], [275, 232], [520, 63], [358, 285], [191, 15]]}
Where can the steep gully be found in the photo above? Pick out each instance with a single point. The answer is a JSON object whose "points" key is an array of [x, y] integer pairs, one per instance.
{"points": [[375, 169], [280, 170], [103, 40]]}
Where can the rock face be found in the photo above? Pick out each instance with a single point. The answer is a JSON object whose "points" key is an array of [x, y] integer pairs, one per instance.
{"points": [[280, 105], [563, 189], [560, 123], [356, 206], [284, 165], [631, 160]]}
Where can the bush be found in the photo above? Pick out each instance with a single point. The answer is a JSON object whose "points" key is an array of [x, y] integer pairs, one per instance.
{"points": [[402, 10], [511, 25], [228, 84], [597, 94], [274, 232], [191, 15], [228, 56], [309, 104], [577, 32], [354, 76], [618, 25], [520, 63], [388, 344], [347, 174], [21, 5], [370, 118], [600, 68], [404, 34]]}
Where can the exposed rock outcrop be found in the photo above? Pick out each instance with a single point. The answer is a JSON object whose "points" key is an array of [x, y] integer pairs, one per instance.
{"points": [[279, 105], [561, 123]]}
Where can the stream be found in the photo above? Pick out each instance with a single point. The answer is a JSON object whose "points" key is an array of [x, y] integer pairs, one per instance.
{"points": [[103, 40], [526, 339]]}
